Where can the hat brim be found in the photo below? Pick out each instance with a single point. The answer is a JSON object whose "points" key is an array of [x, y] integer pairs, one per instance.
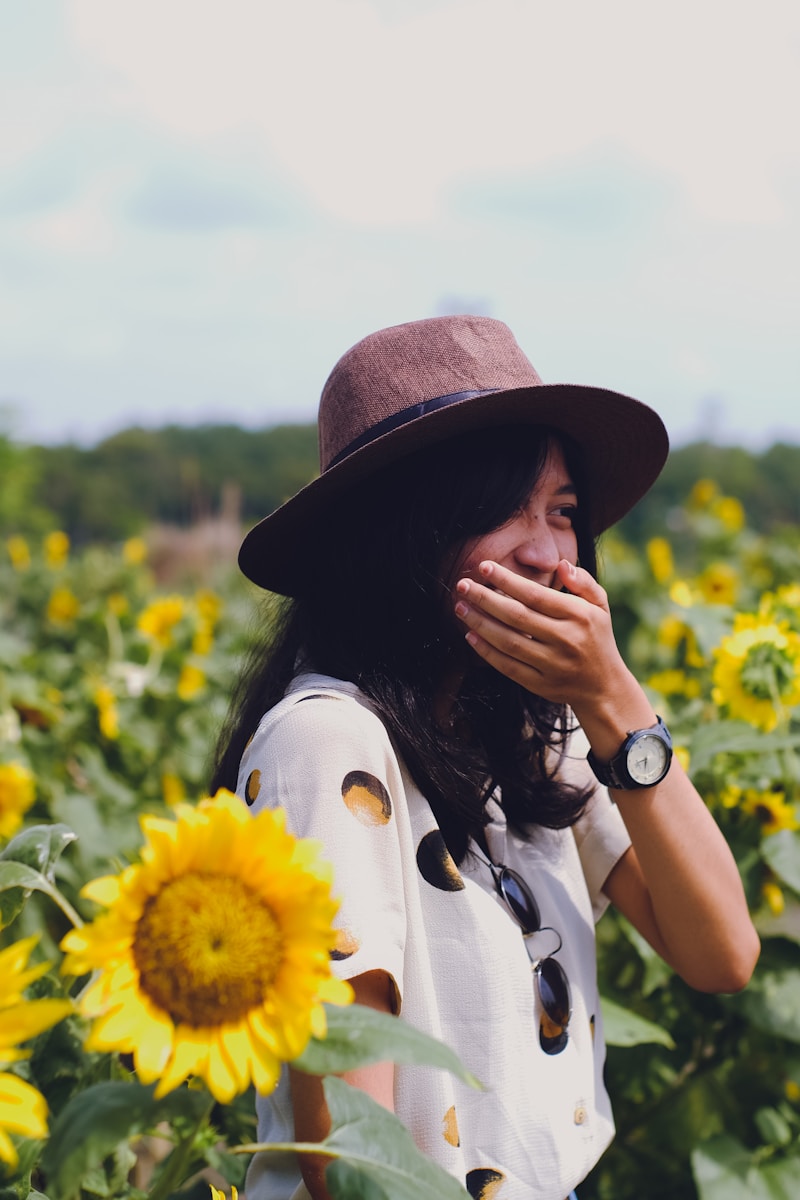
{"points": [[624, 445]]}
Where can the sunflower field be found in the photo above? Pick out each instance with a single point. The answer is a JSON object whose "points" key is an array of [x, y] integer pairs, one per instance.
{"points": [[132, 1039]]}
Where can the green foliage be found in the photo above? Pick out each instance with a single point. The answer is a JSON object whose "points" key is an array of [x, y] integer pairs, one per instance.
{"points": [[21, 507], [348, 1044], [174, 475], [181, 474], [111, 695], [376, 1158]]}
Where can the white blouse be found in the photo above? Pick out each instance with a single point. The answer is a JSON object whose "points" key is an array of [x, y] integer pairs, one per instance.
{"points": [[457, 958]]}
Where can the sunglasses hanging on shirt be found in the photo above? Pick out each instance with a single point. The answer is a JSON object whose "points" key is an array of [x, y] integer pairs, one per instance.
{"points": [[551, 981]]}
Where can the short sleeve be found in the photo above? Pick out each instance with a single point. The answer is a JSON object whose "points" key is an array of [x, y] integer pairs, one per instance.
{"points": [[600, 835], [327, 761]]}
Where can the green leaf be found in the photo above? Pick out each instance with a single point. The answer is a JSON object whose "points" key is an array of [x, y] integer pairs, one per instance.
{"points": [[734, 737], [782, 1176], [625, 1028], [783, 925], [656, 971], [40, 847], [358, 1035], [97, 1120], [376, 1158], [17, 875], [770, 1002], [773, 1127], [725, 1170], [782, 852]]}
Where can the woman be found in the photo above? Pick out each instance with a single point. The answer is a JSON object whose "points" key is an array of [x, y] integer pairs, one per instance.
{"points": [[445, 663]]}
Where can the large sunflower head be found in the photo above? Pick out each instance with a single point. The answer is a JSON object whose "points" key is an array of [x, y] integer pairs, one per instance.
{"points": [[213, 954], [757, 671]]}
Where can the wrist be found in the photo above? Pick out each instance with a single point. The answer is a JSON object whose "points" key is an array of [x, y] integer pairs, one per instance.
{"points": [[609, 718], [642, 760]]}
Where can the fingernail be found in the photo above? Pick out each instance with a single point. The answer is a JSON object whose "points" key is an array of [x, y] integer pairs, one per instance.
{"points": [[461, 609]]}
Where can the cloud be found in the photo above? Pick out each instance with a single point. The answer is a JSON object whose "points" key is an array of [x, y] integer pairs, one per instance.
{"points": [[597, 194], [210, 195], [375, 114]]}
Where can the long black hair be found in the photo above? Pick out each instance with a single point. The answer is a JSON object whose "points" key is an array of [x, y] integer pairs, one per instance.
{"points": [[373, 610]]}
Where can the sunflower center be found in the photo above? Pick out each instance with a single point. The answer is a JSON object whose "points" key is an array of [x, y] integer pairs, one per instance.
{"points": [[766, 671], [207, 948]]}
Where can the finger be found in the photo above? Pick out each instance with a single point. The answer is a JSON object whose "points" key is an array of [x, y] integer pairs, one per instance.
{"points": [[500, 584], [579, 582], [523, 673], [482, 608]]}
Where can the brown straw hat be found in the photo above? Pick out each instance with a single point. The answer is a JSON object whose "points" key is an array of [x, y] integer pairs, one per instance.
{"points": [[413, 385]]}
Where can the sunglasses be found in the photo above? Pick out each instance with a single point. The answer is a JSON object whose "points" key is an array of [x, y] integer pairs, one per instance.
{"points": [[551, 982]]}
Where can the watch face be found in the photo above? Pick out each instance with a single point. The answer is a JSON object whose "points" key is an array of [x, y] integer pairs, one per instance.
{"points": [[647, 759]]}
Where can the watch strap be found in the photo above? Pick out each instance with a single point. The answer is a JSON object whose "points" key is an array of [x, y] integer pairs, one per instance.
{"points": [[615, 774]]}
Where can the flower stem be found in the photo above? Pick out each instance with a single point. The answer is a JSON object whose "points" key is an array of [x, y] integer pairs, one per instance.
{"points": [[177, 1165]]}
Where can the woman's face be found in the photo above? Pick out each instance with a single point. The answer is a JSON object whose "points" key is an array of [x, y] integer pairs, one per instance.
{"points": [[534, 540]]}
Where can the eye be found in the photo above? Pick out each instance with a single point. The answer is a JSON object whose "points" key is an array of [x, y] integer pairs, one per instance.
{"points": [[565, 515]]}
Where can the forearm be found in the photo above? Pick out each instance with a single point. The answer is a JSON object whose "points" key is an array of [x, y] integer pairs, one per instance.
{"points": [[311, 1118], [680, 886]]}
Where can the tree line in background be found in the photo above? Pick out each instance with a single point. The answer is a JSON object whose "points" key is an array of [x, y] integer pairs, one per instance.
{"points": [[180, 475]]}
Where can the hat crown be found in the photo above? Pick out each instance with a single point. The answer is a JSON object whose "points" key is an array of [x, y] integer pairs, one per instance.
{"points": [[391, 372]]}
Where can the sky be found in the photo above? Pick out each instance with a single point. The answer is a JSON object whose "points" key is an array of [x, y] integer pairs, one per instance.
{"points": [[203, 204]]}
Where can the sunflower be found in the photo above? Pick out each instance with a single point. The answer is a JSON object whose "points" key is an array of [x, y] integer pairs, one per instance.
{"points": [[22, 1109], [158, 620], [757, 671], [190, 681], [659, 557], [213, 954], [19, 552], [772, 809], [17, 793], [719, 583], [56, 549], [63, 606], [107, 714]]}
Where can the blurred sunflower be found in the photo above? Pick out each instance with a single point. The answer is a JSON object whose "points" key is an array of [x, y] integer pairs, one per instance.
{"points": [[213, 954], [729, 512], [674, 633], [17, 793], [719, 583], [134, 551], [190, 681], [63, 606], [772, 809], [56, 549], [158, 620], [757, 671], [674, 682], [107, 715], [659, 557], [773, 897], [22, 1108], [19, 552], [702, 494]]}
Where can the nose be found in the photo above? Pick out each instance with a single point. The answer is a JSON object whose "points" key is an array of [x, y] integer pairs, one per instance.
{"points": [[537, 550]]}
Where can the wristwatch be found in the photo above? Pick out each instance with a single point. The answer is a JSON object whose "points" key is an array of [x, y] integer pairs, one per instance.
{"points": [[642, 760]]}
